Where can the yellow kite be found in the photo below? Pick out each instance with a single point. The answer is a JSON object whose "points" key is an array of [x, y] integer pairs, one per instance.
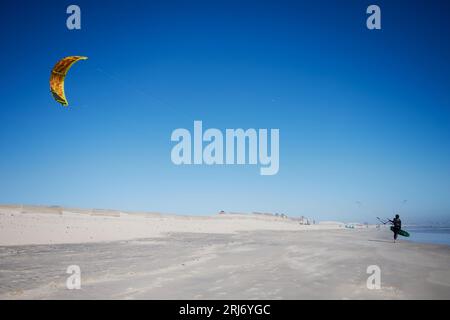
{"points": [[58, 75]]}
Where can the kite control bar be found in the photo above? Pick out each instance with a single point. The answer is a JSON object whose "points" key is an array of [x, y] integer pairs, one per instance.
{"points": [[383, 222]]}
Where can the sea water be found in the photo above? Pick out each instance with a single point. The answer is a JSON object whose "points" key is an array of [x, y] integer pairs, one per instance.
{"points": [[439, 235]]}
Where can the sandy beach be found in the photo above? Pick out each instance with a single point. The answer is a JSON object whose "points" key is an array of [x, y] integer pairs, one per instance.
{"points": [[154, 256]]}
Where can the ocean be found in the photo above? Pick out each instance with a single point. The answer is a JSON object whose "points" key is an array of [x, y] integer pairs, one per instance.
{"points": [[439, 235]]}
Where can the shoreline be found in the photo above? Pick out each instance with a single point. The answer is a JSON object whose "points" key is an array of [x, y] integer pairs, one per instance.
{"points": [[35, 224]]}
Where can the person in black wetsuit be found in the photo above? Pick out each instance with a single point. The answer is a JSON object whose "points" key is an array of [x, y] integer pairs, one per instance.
{"points": [[397, 223]]}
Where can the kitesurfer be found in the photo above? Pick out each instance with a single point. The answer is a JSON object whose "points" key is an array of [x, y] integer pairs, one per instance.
{"points": [[397, 223]]}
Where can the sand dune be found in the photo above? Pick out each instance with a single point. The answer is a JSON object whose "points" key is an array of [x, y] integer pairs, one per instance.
{"points": [[22, 225]]}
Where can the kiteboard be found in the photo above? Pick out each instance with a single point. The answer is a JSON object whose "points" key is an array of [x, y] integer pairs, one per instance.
{"points": [[401, 232]]}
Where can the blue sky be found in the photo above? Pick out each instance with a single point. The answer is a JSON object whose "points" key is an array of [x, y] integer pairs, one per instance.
{"points": [[363, 115]]}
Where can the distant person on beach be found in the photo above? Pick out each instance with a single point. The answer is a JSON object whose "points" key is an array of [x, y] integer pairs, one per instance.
{"points": [[397, 223]]}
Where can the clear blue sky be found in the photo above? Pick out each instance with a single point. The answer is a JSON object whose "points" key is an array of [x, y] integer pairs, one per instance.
{"points": [[363, 115]]}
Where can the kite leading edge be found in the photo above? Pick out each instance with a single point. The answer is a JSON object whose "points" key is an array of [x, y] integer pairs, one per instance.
{"points": [[58, 76]]}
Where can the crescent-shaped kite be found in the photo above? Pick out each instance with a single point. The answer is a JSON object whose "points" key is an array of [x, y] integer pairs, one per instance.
{"points": [[58, 75]]}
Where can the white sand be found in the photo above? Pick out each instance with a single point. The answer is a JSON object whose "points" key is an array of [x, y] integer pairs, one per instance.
{"points": [[45, 225], [153, 256]]}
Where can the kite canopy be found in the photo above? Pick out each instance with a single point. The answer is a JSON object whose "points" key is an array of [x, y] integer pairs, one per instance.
{"points": [[58, 75]]}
